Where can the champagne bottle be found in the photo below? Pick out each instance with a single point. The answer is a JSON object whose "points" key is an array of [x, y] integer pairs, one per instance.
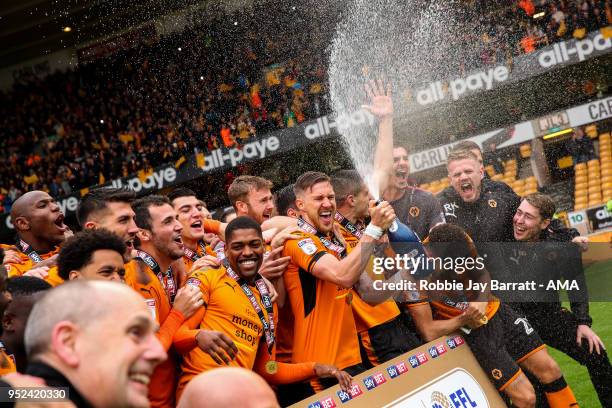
{"points": [[405, 241]]}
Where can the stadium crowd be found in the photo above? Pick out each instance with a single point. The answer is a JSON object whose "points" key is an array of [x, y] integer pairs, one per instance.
{"points": [[214, 85], [283, 290]]}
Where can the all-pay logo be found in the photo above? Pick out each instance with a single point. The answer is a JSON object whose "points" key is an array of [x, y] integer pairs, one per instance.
{"points": [[582, 49], [323, 126]]}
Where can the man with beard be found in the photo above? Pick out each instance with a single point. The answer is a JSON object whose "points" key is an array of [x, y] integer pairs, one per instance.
{"points": [[24, 292], [238, 307], [318, 281], [40, 230], [96, 339], [195, 227], [151, 275], [485, 215], [382, 333], [111, 209], [92, 255], [415, 207], [537, 258], [252, 196], [555, 230], [501, 340]]}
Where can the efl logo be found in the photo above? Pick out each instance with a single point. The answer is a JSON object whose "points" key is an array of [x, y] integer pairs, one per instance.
{"points": [[324, 403], [457, 399]]}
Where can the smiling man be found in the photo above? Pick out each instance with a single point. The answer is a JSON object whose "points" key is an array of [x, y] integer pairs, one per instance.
{"points": [[238, 324], [252, 196], [318, 281], [566, 330], [192, 216], [110, 209], [40, 230], [92, 255], [151, 275], [63, 343]]}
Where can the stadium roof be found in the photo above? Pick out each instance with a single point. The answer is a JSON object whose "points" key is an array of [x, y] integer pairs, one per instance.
{"points": [[33, 28]]}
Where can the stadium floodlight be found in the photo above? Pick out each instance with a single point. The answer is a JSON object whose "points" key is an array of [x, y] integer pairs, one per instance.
{"points": [[539, 15], [67, 29]]}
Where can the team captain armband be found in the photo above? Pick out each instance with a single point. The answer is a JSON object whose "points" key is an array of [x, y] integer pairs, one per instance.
{"points": [[211, 225]]}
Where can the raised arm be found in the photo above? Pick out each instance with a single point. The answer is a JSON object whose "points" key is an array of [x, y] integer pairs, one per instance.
{"points": [[381, 106]]}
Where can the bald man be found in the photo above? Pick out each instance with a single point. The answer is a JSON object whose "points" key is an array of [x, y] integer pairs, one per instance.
{"points": [[40, 230], [74, 339], [228, 387]]}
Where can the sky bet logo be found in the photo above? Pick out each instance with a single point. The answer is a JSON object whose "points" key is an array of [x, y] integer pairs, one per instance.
{"points": [[457, 399], [354, 392], [324, 403], [397, 369], [437, 350], [374, 381]]}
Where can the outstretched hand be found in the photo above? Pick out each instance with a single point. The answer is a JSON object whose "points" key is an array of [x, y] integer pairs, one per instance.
{"points": [[381, 103]]}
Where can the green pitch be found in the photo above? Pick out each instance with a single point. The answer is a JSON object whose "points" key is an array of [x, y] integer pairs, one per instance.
{"points": [[576, 375]]}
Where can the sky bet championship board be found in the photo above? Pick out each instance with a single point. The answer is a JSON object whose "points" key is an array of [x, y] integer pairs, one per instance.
{"points": [[439, 374]]}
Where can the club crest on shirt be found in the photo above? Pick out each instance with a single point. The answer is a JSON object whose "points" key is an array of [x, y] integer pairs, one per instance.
{"points": [[193, 282], [414, 211], [492, 203], [307, 246]]}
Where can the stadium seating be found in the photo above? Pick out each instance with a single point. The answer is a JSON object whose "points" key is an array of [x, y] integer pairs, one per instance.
{"points": [[593, 180], [83, 127]]}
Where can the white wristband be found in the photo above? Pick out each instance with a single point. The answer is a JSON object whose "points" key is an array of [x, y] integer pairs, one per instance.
{"points": [[374, 231]]}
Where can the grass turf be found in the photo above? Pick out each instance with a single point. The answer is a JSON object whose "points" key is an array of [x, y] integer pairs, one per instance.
{"points": [[577, 376]]}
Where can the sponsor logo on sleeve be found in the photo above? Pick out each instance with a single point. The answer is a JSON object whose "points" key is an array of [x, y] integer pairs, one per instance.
{"points": [[307, 246]]}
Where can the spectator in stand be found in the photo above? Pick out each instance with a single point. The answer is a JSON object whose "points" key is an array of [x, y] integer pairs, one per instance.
{"points": [[581, 147], [85, 128]]}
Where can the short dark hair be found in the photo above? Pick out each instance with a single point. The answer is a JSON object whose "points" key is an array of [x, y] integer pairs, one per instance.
{"points": [[285, 199], [307, 180], [97, 200], [76, 252], [346, 183], [466, 145], [141, 209], [242, 185], [226, 213], [450, 240], [26, 285], [180, 192], [242, 222], [544, 203]]}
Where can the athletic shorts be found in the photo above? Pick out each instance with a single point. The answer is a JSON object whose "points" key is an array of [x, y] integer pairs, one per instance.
{"points": [[504, 342], [385, 342]]}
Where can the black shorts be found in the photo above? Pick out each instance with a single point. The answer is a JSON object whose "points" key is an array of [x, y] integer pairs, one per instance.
{"points": [[289, 394], [385, 342], [504, 342]]}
